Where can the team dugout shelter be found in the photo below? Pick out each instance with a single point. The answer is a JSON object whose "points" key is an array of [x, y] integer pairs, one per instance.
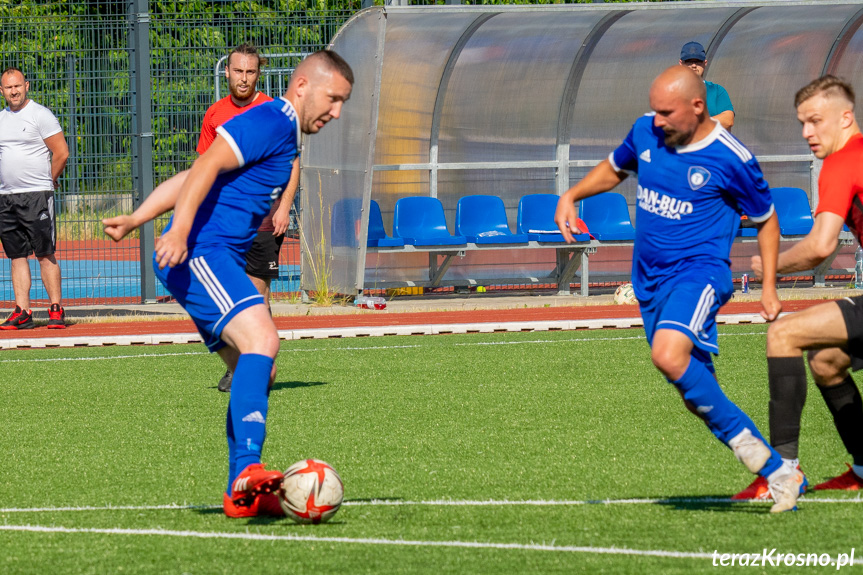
{"points": [[511, 101]]}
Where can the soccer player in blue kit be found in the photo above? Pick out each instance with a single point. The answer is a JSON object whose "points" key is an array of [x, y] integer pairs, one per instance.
{"points": [[200, 258], [694, 180]]}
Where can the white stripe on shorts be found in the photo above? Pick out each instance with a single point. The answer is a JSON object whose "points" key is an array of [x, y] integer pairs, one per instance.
{"points": [[702, 309], [208, 279]]}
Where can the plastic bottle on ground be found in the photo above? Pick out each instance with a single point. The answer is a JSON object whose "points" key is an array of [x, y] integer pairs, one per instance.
{"points": [[370, 302]]}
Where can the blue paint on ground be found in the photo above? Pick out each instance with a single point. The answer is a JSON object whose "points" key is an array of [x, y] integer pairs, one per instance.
{"points": [[108, 279]]}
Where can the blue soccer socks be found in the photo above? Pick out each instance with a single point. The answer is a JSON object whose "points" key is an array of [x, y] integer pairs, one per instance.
{"points": [[232, 450], [724, 419], [247, 412]]}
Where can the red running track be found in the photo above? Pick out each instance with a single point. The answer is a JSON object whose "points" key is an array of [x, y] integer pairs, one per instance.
{"points": [[373, 318]]}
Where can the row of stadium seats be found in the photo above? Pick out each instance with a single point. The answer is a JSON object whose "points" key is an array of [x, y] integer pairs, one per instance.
{"points": [[420, 221], [793, 211], [419, 224], [481, 220]]}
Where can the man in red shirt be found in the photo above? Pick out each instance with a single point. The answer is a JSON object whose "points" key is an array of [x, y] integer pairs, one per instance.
{"points": [[242, 70], [832, 333]]}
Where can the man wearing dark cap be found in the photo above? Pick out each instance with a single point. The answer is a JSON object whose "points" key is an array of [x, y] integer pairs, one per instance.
{"points": [[718, 103]]}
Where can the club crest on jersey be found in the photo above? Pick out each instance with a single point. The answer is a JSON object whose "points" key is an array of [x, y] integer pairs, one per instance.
{"points": [[697, 177]]}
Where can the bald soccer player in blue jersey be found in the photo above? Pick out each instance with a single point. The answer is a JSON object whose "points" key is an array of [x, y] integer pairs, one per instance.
{"points": [[694, 180], [200, 258]]}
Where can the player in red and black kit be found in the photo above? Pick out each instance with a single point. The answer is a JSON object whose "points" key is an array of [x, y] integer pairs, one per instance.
{"points": [[832, 333], [262, 261]]}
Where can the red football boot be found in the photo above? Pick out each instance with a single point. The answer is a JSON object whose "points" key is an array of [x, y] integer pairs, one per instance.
{"points": [[757, 490], [254, 480], [266, 504], [848, 481], [238, 511]]}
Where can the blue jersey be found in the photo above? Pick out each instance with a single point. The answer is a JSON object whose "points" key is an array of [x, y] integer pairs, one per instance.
{"points": [[689, 202], [266, 141]]}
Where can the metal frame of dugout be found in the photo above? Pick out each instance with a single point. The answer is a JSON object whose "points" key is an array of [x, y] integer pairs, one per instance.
{"points": [[427, 116]]}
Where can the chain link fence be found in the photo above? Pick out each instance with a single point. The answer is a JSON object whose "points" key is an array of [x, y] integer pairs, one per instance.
{"points": [[79, 60]]}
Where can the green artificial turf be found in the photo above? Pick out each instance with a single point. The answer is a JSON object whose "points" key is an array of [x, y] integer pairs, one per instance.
{"points": [[580, 420]]}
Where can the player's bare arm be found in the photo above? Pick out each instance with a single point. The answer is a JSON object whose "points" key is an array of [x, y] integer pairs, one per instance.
{"points": [[816, 247], [768, 246], [281, 218], [59, 154], [600, 179], [171, 247], [726, 119], [161, 200]]}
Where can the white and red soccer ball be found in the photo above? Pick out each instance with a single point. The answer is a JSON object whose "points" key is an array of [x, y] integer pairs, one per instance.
{"points": [[311, 491]]}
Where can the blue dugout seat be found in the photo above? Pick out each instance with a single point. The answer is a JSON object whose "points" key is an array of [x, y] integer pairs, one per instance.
{"points": [[536, 219], [607, 217], [793, 211], [420, 221], [746, 232], [482, 220], [377, 237]]}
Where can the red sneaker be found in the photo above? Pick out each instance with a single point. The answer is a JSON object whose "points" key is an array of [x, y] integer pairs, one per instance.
{"points": [[20, 319], [56, 317], [848, 481], [757, 490], [254, 480]]}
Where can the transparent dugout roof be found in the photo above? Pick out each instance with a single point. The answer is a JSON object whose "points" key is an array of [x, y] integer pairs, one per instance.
{"points": [[511, 100]]}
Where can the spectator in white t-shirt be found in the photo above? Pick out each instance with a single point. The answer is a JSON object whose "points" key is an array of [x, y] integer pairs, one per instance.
{"points": [[33, 153]]}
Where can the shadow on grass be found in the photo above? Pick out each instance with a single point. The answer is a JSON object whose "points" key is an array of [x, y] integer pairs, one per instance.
{"points": [[381, 500], [720, 503], [290, 384], [295, 384], [264, 520]]}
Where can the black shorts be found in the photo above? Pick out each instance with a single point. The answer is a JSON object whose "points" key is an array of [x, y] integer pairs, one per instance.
{"points": [[262, 260], [27, 224], [852, 313]]}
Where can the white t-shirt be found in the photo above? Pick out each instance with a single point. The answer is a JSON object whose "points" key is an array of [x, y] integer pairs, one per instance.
{"points": [[25, 160]]}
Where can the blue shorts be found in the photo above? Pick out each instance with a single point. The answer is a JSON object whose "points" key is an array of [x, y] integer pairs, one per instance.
{"points": [[688, 305], [212, 287]]}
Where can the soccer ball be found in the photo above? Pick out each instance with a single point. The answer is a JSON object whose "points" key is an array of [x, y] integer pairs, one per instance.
{"points": [[311, 491], [624, 294]]}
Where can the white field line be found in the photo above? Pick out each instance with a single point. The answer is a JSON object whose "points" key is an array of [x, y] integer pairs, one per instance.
{"points": [[445, 503], [379, 541], [364, 348], [360, 541]]}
